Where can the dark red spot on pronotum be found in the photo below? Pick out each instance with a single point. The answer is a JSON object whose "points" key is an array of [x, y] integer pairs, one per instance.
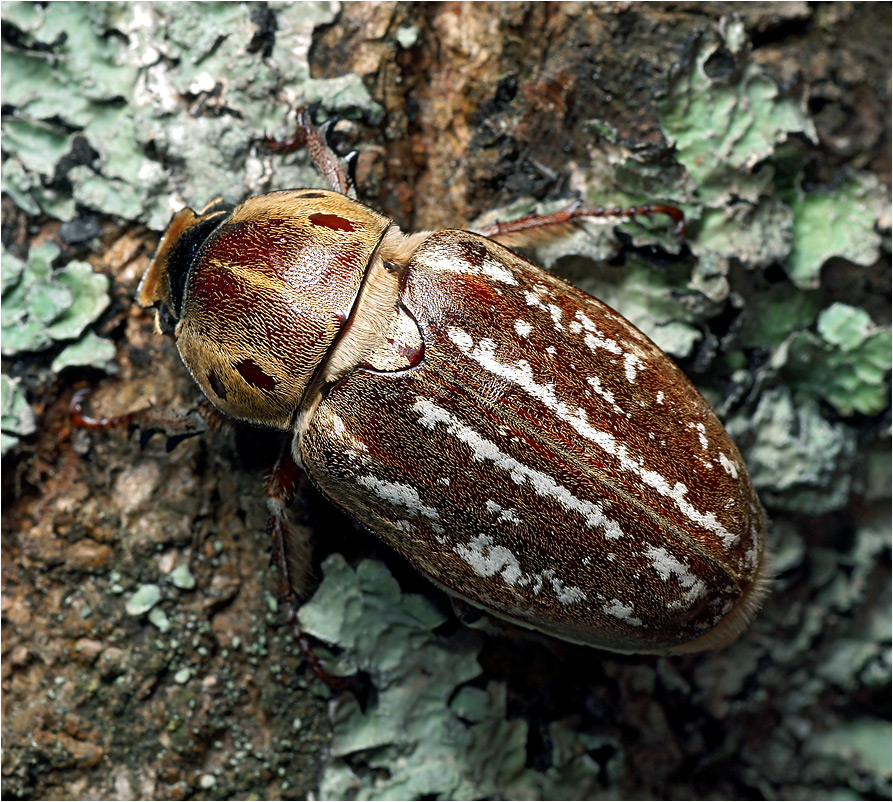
{"points": [[216, 385], [312, 195], [254, 375], [333, 221]]}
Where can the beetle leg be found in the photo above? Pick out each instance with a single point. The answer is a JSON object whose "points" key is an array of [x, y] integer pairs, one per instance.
{"points": [[176, 424], [291, 554], [538, 228], [338, 172]]}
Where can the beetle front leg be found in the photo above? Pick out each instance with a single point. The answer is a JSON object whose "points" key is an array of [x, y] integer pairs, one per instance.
{"points": [[535, 229], [176, 424], [338, 172]]}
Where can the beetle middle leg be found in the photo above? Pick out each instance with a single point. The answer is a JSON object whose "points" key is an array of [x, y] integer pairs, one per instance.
{"points": [[538, 228], [291, 554]]}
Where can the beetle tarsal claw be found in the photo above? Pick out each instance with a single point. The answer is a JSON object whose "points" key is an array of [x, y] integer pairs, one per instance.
{"points": [[328, 128], [351, 160], [311, 110]]}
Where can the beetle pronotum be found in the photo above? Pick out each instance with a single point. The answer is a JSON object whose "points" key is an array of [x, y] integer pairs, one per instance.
{"points": [[521, 443]]}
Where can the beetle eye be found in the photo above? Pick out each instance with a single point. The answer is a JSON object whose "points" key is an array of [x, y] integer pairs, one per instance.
{"points": [[186, 251], [167, 322]]}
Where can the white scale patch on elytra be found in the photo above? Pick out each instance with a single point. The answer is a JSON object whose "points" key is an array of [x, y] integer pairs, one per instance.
{"points": [[595, 338], [521, 375], [498, 272], [483, 450], [354, 449], [523, 328], [566, 594], [756, 534], [702, 433], [488, 560], [399, 495], [752, 555], [461, 338], [631, 366], [728, 465], [595, 383], [534, 298], [667, 565], [622, 611], [489, 268], [503, 514]]}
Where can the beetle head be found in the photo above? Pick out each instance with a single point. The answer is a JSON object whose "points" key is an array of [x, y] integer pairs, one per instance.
{"points": [[164, 282]]}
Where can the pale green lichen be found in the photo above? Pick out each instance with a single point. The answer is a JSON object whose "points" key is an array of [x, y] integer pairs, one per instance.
{"points": [[863, 742], [144, 598], [425, 732], [781, 311], [181, 577], [407, 36], [798, 460], [735, 133], [725, 125], [183, 676], [43, 305], [840, 222], [17, 416], [157, 57], [89, 351], [158, 618], [846, 362]]}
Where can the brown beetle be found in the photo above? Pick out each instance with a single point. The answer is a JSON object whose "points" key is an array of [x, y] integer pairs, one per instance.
{"points": [[518, 441]]}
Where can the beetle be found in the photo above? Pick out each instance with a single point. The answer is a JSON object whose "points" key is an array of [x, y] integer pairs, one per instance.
{"points": [[518, 441]]}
